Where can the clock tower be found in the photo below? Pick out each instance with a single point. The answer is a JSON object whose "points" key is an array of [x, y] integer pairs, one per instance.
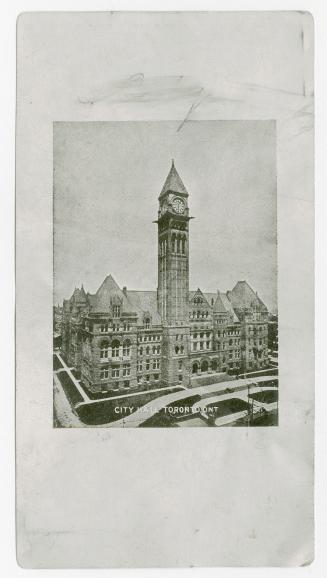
{"points": [[173, 278]]}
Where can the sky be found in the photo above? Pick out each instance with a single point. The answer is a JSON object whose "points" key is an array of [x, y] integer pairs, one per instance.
{"points": [[107, 179]]}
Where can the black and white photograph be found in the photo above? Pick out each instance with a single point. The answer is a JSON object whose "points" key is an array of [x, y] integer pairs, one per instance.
{"points": [[165, 274]]}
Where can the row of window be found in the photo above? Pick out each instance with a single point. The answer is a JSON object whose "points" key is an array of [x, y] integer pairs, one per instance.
{"points": [[199, 314], [146, 338], [200, 345], [155, 365], [146, 378], [116, 349], [178, 245], [155, 350], [207, 335], [229, 332], [115, 327], [115, 372]]}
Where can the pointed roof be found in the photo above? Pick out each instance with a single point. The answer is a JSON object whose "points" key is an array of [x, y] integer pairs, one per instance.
{"points": [[223, 305], [101, 301], [219, 305], [78, 294], [242, 295], [173, 182]]}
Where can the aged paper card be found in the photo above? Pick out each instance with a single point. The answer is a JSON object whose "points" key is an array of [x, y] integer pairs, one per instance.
{"points": [[165, 351]]}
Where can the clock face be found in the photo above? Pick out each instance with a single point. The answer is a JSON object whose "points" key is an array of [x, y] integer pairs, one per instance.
{"points": [[178, 205]]}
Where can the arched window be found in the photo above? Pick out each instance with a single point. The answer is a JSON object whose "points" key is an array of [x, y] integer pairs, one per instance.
{"points": [[195, 368], [104, 350], [147, 351], [147, 323], [176, 349], [204, 366], [183, 245], [126, 348], [214, 365], [182, 348], [115, 348]]}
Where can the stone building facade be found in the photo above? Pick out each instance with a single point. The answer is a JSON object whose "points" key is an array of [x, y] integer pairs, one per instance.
{"points": [[120, 339]]}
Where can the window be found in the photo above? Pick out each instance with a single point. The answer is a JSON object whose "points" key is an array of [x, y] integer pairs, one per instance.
{"points": [[176, 349], [126, 348], [126, 384], [104, 327], [180, 378], [115, 327], [182, 349], [115, 372], [180, 365], [104, 351], [156, 376], [147, 323], [126, 370], [195, 368], [204, 366], [156, 364], [194, 346], [104, 373], [147, 365], [141, 351], [139, 366], [147, 351], [115, 348], [139, 379], [116, 310]]}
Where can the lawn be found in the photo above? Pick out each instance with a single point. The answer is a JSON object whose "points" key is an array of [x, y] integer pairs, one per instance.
{"points": [[69, 388], [269, 396], [106, 411], [56, 363], [228, 406]]}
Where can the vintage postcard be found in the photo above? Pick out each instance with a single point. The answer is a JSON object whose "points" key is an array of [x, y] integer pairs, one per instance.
{"points": [[165, 350]]}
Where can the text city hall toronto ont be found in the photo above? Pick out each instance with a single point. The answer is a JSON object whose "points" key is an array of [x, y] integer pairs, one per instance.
{"points": [[122, 339]]}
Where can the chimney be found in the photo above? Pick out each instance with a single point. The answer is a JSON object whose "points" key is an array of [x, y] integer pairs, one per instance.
{"points": [[125, 291]]}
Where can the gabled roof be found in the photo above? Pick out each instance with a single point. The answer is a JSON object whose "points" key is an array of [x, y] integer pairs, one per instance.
{"points": [[107, 292], [219, 305], [242, 295], [139, 302], [173, 182], [78, 294], [198, 293]]}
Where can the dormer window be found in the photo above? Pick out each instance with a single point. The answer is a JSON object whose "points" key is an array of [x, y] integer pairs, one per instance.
{"points": [[116, 310]]}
